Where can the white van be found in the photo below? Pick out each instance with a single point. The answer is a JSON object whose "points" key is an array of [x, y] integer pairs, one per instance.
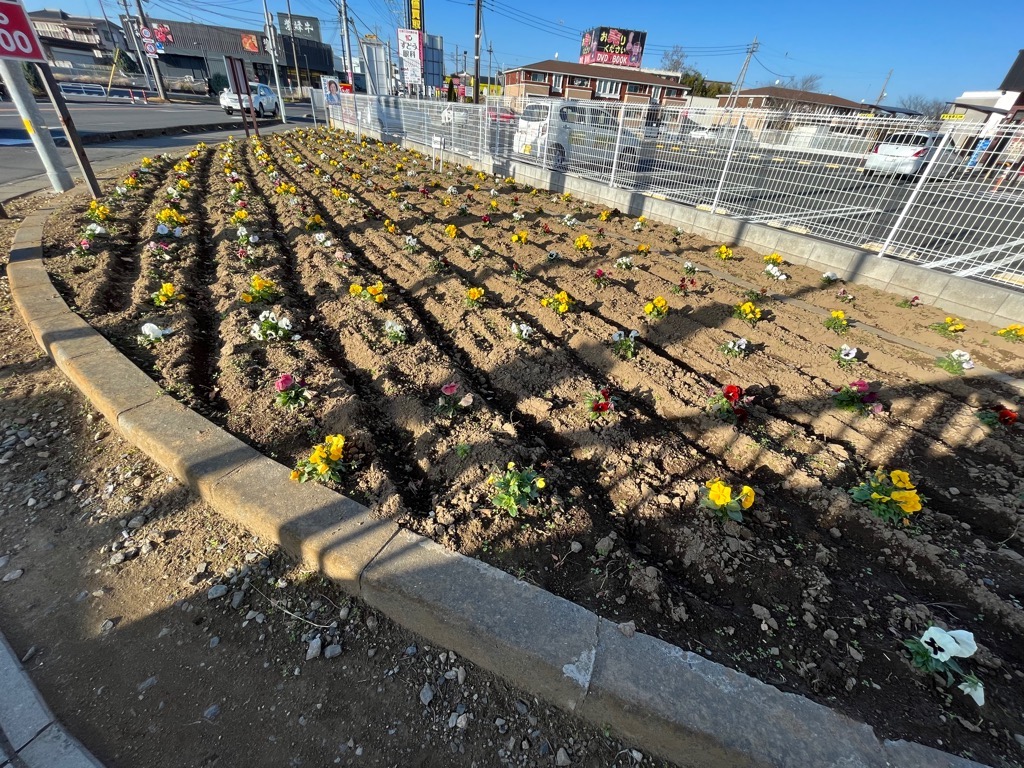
{"points": [[561, 134]]}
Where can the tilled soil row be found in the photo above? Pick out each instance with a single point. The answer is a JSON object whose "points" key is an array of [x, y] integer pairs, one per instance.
{"points": [[453, 255], [114, 268], [838, 588]]}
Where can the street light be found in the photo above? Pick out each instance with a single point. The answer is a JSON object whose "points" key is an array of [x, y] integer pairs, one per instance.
{"points": [[309, 77]]}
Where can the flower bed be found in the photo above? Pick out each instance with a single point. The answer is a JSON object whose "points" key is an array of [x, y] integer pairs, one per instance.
{"points": [[569, 394]]}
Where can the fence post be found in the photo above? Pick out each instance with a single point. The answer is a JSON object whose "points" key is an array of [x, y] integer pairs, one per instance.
{"points": [[482, 110], [728, 162], [618, 143], [914, 194]]}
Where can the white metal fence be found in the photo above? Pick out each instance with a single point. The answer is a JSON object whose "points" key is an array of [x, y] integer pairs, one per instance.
{"points": [[949, 196]]}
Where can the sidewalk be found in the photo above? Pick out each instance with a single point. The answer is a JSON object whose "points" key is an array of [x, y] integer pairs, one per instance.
{"points": [[30, 737]]}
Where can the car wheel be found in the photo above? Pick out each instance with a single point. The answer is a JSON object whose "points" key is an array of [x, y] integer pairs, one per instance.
{"points": [[259, 111], [277, 108], [627, 161], [228, 111], [556, 159]]}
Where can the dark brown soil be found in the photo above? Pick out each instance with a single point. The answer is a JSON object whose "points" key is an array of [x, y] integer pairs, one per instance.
{"points": [[177, 679], [810, 593]]}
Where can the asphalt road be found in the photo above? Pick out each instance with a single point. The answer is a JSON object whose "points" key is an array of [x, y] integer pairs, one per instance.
{"points": [[21, 171], [95, 116]]}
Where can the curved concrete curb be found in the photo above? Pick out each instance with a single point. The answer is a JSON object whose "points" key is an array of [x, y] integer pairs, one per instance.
{"points": [[30, 736], [682, 706]]}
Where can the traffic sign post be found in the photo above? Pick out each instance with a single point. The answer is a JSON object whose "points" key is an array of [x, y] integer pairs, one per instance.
{"points": [[19, 43], [69, 129], [32, 119], [18, 38]]}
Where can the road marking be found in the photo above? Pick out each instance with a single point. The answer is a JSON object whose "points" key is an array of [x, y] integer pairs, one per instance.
{"points": [[779, 159], [754, 157], [833, 165], [803, 162]]}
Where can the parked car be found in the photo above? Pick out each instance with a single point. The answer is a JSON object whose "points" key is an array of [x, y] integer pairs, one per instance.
{"points": [[264, 101], [908, 153], [576, 132]]}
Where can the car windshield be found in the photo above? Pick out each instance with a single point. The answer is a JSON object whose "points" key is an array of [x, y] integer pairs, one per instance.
{"points": [[909, 139], [535, 113]]}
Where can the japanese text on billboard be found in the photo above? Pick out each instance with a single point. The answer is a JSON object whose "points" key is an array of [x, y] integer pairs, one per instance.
{"points": [[614, 46]]}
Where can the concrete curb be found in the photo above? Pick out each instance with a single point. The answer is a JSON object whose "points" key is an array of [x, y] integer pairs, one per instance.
{"points": [[30, 736], [677, 704]]}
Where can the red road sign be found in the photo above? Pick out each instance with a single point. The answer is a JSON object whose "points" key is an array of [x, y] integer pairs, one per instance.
{"points": [[18, 38]]}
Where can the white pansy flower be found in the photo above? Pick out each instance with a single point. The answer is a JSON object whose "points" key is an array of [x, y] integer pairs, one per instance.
{"points": [[162, 229], [943, 645], [847, 352], [972, 687], [618, 336], [154, 332]]}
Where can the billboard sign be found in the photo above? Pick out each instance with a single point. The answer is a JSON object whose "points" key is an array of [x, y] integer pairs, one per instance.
{"points": [[416, 15], [250, 43], [307, 27], [613, 46], [410, 54]]}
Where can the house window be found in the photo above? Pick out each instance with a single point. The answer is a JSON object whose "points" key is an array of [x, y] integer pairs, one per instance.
{"points": [[657, 93], [671, 93], [538, 77], [635, 88], [609, 89], [556, 83], [580, 82]]}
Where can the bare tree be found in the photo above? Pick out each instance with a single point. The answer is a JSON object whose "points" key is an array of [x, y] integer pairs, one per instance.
{"points": [[808, 83], [928, 107], [674, 59]]}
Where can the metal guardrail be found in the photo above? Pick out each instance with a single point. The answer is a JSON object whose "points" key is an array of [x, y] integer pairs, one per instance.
{"points": [[948, 196]]}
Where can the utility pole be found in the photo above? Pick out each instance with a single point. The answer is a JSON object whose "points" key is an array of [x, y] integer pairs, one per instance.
{"points": [[881, 93], [21, 95], [751, 50], [272, 37], [138, 50], [391, 79], [343, 10], [476, 51], [490, 52], [156, 66], [455, 66], [295, 52]]}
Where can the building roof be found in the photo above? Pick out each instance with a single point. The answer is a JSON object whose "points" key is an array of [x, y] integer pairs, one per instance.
{"points": [[979, 108], [624, 74], [50, 15], [805, 97]]}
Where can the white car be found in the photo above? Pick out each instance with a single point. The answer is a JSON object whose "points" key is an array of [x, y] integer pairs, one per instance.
{"points": [[560, 134], [264, 101], [908, 153]]}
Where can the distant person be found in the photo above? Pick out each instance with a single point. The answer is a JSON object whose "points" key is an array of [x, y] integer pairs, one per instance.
{"points": [[333, 96], [209, 88]]}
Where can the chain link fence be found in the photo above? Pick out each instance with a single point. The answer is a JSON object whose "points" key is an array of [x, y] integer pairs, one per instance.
{"points": [[949, 195]]}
